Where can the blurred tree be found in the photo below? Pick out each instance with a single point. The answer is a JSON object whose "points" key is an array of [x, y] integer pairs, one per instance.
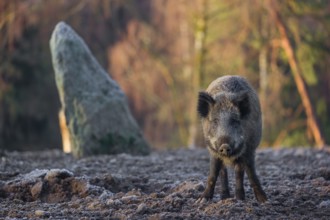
{"points": [[24, 108], [161, 53], [200, 35], [145, 63], [297, 72], [29, 102]]}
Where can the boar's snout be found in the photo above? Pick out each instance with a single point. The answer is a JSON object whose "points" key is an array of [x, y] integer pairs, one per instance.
{"points": [[224, 146], [225, 150]]}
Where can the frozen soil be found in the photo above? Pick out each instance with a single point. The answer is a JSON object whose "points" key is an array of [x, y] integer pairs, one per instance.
{"points": [[163, 185]]}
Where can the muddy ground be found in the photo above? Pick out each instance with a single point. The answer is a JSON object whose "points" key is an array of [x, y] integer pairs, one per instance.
{"points": [[163, 185]]}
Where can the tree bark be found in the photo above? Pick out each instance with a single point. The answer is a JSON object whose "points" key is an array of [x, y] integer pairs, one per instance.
{"points": [[297, 75]]}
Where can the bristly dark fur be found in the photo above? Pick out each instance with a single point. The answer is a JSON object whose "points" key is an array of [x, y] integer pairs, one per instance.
{"points": [[204, 102], [231, 120]]}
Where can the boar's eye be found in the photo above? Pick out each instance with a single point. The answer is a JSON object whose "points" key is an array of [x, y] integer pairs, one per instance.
{"points": [[243, 104], [234, 121], [215, 121]]}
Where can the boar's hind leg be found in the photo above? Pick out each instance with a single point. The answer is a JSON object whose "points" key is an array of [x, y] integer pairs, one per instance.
{"points": [[215, 166], [254, 181], [239, 175]]}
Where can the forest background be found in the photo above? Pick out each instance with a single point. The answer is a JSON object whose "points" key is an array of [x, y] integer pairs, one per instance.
{"points": [[162, 52]]}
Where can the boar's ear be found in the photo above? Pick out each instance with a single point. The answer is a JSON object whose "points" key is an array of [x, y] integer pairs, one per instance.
{"points": [[205, 101], [243, 104]]}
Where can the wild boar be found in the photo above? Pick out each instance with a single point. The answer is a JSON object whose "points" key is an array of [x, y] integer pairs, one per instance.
{"points": [[231, 119]]}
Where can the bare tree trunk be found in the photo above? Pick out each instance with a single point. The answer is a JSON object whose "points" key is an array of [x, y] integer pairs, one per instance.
{"points": [[297, 75], [200, 36]]}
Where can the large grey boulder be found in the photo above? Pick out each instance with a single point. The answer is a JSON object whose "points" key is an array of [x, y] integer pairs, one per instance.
{"points": [[96, 109]]}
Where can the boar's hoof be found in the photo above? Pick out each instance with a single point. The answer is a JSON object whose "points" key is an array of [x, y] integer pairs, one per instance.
{"points": [[225, 195], [202, 200], [261, 197]]}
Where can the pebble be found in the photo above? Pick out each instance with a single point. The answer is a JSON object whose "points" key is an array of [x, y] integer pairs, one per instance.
{"points": [[113, 202], [300, 152], [36, 189], [142, 208], [324, 204], [199, 187], [93, 205], [106, 194], [39, 213], [127, 198]]}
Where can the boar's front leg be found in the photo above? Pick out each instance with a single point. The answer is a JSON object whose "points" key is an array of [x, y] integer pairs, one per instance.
{"points": [[239, 177], [224, 182], [215, 166], [254, 181]]}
